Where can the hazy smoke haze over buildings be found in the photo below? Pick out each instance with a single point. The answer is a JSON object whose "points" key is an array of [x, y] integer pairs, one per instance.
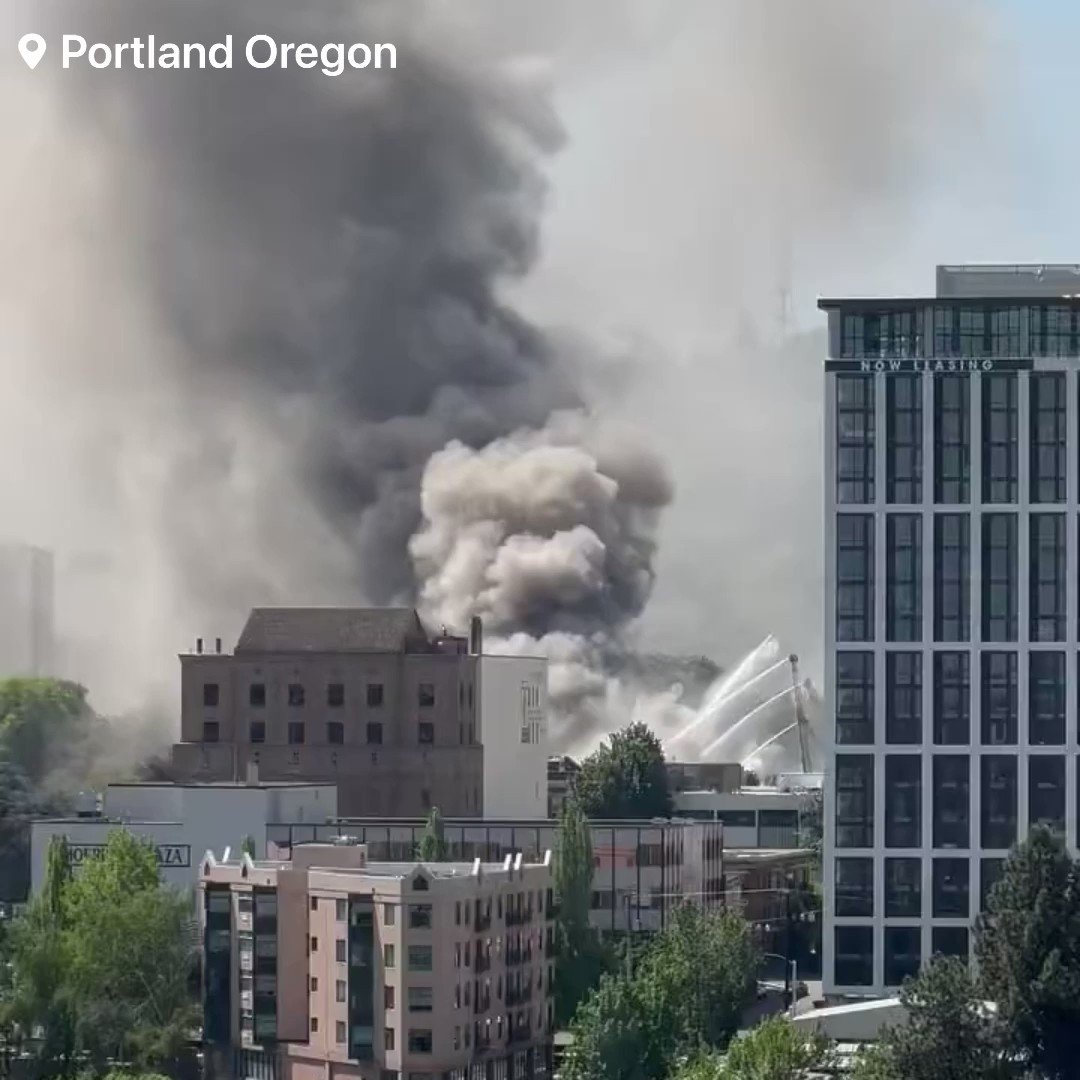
{"points": [[499, 331]]}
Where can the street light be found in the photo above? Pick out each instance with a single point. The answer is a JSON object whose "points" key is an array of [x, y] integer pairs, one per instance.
{"points": [[791, 979]]}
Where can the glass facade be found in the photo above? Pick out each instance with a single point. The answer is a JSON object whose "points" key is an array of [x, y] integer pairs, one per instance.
{"points": [[855, 439], [952, 439], [1000, 438], [976, 535], [903, 439], [903, 585]]}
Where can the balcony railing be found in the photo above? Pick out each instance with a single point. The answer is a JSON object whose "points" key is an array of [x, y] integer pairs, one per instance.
{"points": [[482, 922], [483, 962]]}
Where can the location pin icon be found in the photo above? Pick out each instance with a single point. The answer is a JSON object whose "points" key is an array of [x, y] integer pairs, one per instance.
{"points": [[32, 49]]}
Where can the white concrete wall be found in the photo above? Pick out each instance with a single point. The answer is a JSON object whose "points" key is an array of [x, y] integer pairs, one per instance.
{"points": [[513, 708]]}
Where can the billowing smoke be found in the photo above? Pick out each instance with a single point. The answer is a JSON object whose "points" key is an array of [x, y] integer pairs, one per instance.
{"points": [[266, 334]]}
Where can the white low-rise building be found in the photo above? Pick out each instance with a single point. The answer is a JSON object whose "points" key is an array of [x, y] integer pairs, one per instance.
{"points": [[753, 817], [182, 821]]}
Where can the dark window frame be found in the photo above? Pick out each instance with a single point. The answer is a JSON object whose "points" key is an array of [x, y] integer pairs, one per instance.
{"points": [[952, 698], [999, 696], [1047, 797], [999, 805], [296, 732], [854, 698], [903, 698], [335, 733], [952, 578], [902, 901], [1000, 437], [335, 695], [1047, 578], [950, 890], [855, 439], [854, 882], [951, 801], [903, 800], [903, 578], [952, 439], [855, 604], [1000, 577], [891, 333], [901, 963], [1046, 697], [903, 439], [853, 955], [855, 829], [1048, 454]]}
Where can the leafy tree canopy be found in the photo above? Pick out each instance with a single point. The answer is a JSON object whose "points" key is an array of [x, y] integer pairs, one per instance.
{"points": [[1028, 950], [948, 1034], [688, 991], [36, 716], [625, 778], [774, 1050]]}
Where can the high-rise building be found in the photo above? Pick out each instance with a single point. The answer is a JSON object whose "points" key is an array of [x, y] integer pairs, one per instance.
{"points": [[400, 719], [27, 632], [331, 964], [951, 480]]}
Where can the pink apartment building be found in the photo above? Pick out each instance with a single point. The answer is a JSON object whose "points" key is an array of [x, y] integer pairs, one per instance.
{"points": [[329, 966]]}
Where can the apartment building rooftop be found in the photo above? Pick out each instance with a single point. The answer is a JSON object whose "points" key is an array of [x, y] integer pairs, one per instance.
{"points": [[332, 630]]}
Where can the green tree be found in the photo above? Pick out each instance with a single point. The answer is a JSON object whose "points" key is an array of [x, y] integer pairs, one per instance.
{"points": [[38, 719], [433, 846], [57, 877], [580, 958], [774, 1050], [1028, 950], [18, 804], [687, 992], [949, 1034], [625, 778]]}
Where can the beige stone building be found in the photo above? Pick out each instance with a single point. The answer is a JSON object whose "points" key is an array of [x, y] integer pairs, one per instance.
{"points": [[401, 720], [329, 966]]}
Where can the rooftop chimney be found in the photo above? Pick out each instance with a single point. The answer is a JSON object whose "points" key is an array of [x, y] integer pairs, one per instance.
{"points": [[476, 636], [217, 646], [198, 645]]}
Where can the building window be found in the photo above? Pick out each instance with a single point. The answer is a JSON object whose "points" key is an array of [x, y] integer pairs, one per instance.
{"points": [[425, 733], [421, 999], [335, 695], [1047, 389], [314, 944], [388, 956], [950, 897], [903, 947], [374, 733], [951, 801], [999, 577], [335, 733], [854, 956], [854, 577], [903, 698], [340, 990], [882, 334], [1046, 792], [1047, 577], [1054, 330], [999, 699], [903, 801], [990, 871], [339, 1030], [1046, 699], [949, 941], [1005, 332], [854, 801], [419, 916], [374, 695], [257, 695], [855, 439], [388, 915], [419, 1041], [425, 695], [855, 887], [1000, 438], [341, 910], [903, 443], [314, 1025], [296, 695], [296, 732], [903, 888], [855, 697], [257, 731], [951, 577], [388, 997], [211, 694], [903, 577], [340, 954], [314, 983], [952, 699], [388, 1038], [952, 438], [999, 802], [419, 957], [210, 731]]}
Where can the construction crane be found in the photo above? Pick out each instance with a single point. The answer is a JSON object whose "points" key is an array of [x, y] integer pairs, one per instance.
{"points": [[801, 722]]}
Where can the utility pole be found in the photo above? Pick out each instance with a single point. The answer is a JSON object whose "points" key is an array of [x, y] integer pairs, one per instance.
{"points": [[789, 988]]}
